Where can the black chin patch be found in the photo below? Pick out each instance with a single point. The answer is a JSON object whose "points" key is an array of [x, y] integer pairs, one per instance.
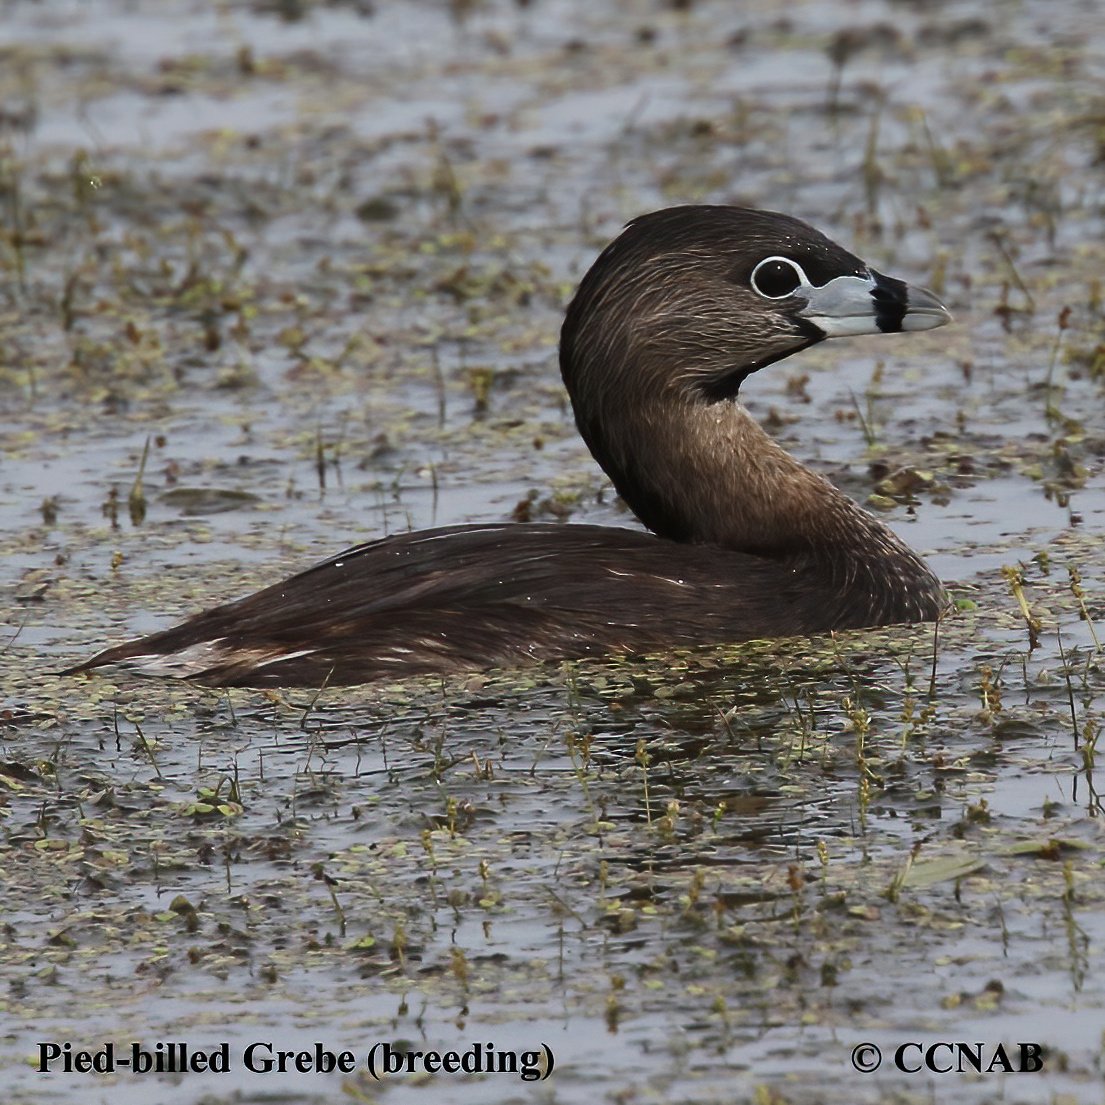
{"points": [[891, 298], [728, 386]]}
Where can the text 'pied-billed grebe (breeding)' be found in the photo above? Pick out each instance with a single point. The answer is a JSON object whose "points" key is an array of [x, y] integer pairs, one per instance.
{"points": [[745, 542]]}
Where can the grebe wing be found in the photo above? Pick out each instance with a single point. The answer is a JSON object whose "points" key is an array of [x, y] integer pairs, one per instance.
{"points": [[467, 597]]}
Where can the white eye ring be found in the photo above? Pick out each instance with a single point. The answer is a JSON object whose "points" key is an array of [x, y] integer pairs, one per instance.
{"points": [[770, 277]]}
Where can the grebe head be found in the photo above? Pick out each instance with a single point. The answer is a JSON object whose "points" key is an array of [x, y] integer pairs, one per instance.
{"points": [[670, 320], [694, 299]]}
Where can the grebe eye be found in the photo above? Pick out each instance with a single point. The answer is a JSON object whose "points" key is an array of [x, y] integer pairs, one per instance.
{"points": [[776, 277]]}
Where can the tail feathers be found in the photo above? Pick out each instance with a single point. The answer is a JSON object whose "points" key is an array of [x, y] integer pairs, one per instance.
{"points": [[215, 662], [144, 656]]}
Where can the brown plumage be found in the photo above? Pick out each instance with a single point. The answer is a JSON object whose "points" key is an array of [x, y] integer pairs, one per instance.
{"points": [[746, 541]]}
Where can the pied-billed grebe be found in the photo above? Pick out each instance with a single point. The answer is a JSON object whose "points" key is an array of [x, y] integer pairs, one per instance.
{"points": [[745, 543]]}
